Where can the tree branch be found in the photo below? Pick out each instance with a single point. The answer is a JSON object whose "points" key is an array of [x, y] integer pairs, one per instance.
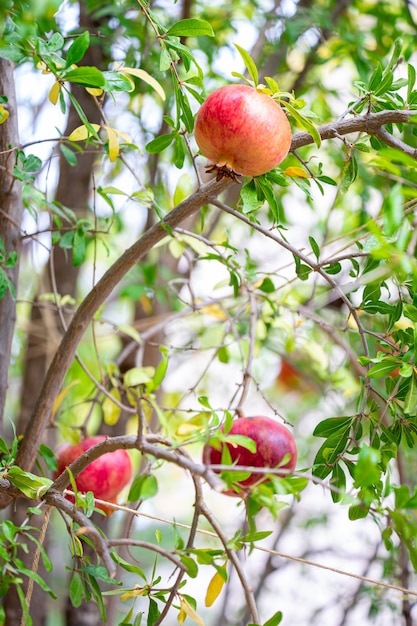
{"points": [[85, 313], [369, 123]]}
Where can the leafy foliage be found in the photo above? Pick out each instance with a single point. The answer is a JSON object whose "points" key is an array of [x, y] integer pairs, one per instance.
{"points": [[295, 292]]}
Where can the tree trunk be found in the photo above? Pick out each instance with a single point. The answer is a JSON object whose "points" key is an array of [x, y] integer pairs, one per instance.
{"points": [[10, 220], [73, 191]]}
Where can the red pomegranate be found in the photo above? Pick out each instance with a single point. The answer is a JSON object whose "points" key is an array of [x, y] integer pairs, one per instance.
{"points": [[273, 442], [242, 131], [105, 476]]}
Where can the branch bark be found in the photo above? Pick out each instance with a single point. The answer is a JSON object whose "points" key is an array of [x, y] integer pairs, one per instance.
{"points": [[370, 123], [10, 219]]}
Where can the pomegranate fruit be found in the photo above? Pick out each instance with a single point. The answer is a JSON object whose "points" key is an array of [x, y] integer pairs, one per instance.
{"points": [[105, 476], [273, 443], [242, 131]]}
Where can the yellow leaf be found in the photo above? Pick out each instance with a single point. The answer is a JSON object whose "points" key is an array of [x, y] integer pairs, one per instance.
{"points": [[186, 429], [187, 610], [113, 143], [147, 78], [62, 395], [3, 114], [214, 311], [94, 91], [81, 133], [111, 411], [134, 593], [124, 136], [54, 92], [296, 172], [214, 589]]}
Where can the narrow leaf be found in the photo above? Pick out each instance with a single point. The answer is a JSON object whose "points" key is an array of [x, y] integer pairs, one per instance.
{"points": [[303, 122], [187, 609], [147, 78], [214, 589], [249, 64], [113, 143], [81, 133]]}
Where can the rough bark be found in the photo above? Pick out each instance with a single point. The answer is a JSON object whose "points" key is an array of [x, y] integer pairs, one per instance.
{"points": [[73, 191], [10, 219]]}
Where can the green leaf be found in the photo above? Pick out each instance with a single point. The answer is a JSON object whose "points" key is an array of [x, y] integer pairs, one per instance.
{"points": [[87, 76], [358, 511], [161, 370], [116, 81], [100, 572], [410, 403], [333, 268], [411, 73], [265, 189], [349, 173], [267, 285], [160, 143], [31, 485], [367, 470], [79, 247], [55, 43], [144, 487], [338, 481], [4, 449], [76, 590], [274, 620], [4, 283], [243, 441], [190, 564], [375, 78], [153, 612], [129, 567], [249, 64], [384, 368], [78, 48], [332, 425], [303, 122], [315, 247], [191, 27]]}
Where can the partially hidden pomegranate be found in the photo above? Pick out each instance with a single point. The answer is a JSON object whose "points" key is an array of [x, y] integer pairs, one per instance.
{"points": [[242, 131], [105, 476], [273, 443]]}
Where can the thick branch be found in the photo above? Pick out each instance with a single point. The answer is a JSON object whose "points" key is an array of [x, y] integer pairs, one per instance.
{"points": [[88, 308], [370, 123]]}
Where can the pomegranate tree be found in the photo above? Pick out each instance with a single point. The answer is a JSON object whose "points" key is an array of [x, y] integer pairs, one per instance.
{"points": [[242, 130], [275, 448], [105, 476]]}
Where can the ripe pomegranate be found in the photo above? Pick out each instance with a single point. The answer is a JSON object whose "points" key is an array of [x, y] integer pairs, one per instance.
{"points": [[242, 131], [273, 442], [105, 477]]}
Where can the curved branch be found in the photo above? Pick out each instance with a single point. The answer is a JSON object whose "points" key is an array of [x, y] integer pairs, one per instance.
{"points": [[370, 123], [85, 313], [146, 446]]}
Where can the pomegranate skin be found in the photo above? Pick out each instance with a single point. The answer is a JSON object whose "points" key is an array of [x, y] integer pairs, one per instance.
{"points": [[105, 476], [273, 443], [242, 129]]}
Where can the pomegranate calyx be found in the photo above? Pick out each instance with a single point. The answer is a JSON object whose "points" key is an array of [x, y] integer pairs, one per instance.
{"points": [[223, 171]]}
